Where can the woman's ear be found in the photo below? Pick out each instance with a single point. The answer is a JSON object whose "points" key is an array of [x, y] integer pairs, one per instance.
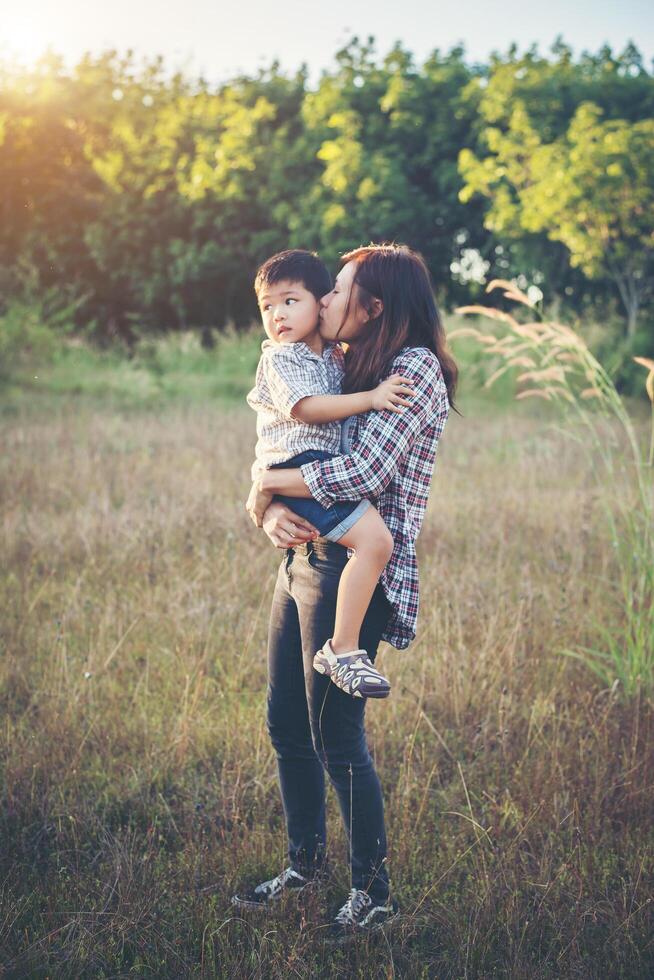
{"points": [[376, 308]]}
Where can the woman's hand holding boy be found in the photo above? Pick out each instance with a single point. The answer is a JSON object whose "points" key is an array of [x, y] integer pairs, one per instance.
{"points": [[284, 528]]}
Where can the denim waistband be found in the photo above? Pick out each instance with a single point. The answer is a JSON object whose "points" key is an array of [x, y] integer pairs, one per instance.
{"points": [[321, 547]]}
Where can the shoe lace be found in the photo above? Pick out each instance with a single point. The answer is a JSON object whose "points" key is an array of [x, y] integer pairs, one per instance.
{"points": [[357, 901]]}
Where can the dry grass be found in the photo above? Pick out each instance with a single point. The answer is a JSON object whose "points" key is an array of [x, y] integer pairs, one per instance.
{"points": [[139, 785], [563, 370]]}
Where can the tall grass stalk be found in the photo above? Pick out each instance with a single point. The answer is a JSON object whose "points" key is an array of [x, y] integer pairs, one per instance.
{"points": [[558, 366]]}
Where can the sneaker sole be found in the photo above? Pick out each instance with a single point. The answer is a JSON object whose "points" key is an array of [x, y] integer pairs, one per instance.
{"points": [[271, 903]]}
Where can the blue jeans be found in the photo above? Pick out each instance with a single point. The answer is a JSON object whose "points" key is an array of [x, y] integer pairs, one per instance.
{"points": [[332, 522], [315, 727]]}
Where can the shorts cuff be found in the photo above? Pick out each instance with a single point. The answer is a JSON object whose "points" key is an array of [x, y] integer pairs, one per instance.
{"points": [[344, 526]]}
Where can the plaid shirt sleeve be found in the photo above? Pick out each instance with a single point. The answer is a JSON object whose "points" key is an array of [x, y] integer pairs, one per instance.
{"points": [[290, 377], [384, 439]]}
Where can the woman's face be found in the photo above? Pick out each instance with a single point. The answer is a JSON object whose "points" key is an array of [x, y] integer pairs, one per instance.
{"points": [[333, 306]]}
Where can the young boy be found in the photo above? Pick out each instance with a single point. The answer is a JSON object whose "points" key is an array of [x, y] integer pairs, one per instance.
{"points": [[299, 409]]}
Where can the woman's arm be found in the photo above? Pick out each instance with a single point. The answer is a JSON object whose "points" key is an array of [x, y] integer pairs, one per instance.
{"points": [[389, 395], [290, 483], [384, 441]]}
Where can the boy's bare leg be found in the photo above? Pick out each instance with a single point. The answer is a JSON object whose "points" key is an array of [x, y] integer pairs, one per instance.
{"points": [[373, 545]]}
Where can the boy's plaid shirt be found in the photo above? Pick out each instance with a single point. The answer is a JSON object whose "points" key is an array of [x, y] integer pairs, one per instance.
{"points": [[392, 462], [287, 373]]}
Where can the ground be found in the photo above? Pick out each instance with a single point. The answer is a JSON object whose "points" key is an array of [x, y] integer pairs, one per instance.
{"points": [[139, 785]]}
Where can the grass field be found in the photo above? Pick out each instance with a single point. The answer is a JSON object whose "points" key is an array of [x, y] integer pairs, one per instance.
{"points": [[138, 782]]}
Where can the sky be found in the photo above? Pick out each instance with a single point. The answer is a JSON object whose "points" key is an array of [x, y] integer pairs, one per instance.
{"points": [[220, 40]]}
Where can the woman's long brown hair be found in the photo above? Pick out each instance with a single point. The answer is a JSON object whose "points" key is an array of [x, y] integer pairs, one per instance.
{"points": [[397, 276]]}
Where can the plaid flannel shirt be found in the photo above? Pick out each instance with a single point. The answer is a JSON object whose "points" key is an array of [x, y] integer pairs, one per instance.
{"points": [[392, 462], [287, 373]]}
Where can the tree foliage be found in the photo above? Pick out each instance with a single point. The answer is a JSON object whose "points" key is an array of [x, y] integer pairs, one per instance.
{"points": [[147, 200], [569, 156]]}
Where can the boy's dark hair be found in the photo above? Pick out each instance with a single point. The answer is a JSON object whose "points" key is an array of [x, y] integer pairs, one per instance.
{"points": [[294, 265]]}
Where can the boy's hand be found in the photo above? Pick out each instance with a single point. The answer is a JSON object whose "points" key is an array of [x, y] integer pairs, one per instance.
{"points": [[393, 393], [258, 503]]}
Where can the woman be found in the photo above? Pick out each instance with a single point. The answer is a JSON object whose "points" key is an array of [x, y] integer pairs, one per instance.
{"points": [[382, 305]]}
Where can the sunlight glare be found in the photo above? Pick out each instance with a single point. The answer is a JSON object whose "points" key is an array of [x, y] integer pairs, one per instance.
{"points": [[21, 38]]}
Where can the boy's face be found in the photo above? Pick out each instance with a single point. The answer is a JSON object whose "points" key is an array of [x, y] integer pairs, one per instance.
{"points": [[290, 313]]}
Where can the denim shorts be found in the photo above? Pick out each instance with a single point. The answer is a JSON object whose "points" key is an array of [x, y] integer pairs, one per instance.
{"points": [[332, 522]]}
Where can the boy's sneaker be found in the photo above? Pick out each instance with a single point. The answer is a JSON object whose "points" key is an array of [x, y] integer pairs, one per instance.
{"points": [[352, 672], [362, 913], [270, 891]]}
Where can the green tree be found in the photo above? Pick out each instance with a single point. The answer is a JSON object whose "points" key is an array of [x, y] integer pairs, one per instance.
{"points": [[48, 191], [145, 201], [388, 135], [591, 189], [527, 106]]}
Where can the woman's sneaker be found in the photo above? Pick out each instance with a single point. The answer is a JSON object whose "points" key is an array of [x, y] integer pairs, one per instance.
{"points": [[352, 672], [362, 913], [270, 891]]}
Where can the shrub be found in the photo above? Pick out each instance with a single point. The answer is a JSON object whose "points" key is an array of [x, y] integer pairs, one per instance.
{"points": [[26, 339]]}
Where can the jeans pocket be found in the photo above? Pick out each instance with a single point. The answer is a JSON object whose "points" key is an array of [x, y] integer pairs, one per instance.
{"points": [[329, 563]]}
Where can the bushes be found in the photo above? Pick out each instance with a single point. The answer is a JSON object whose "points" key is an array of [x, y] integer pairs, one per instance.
{"points": [[26, 339], [173, 366]]}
